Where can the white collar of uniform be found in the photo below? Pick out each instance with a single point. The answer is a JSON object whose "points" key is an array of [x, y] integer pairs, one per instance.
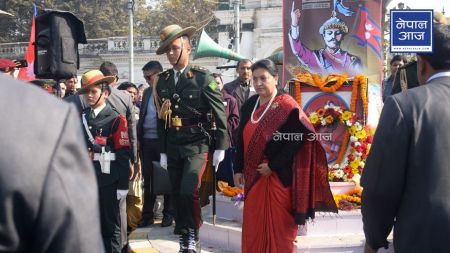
{"points": [[181, 71], [99, 109], [439, 74]]}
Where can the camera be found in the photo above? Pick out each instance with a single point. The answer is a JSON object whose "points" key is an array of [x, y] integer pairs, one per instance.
{"points": [[21, 63]]}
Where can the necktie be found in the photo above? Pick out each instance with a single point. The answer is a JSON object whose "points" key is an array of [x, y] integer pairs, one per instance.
{"points": [[92, 115], [177, 76], [244, 84]]}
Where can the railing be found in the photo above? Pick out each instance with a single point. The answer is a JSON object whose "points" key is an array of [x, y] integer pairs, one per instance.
{"points": [[13, 50], [144, 44]]}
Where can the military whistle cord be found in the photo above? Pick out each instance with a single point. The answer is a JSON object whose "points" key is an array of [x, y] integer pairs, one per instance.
{"points": [[205, 133], [86, 128], [177, 99]]}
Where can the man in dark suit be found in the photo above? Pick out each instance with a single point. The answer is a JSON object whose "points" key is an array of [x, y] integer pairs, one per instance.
{"points": [[149, 148], [189, 97], [242, 87], [406, 179], [48, 190]]}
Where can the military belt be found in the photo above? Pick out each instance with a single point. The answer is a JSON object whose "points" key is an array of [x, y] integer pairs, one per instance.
{"points": [[188, 122], [96, 156]]}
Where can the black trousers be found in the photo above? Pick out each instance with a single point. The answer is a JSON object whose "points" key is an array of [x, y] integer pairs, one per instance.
{"points": [[110, 218], [149, 153], [185, 177]]}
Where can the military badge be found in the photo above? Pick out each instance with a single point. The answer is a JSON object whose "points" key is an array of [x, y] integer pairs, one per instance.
{"points": [[190, 75], [212, 85]]}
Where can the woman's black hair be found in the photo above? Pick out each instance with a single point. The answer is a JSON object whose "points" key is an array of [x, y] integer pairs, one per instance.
{"points": [[267, 65]]}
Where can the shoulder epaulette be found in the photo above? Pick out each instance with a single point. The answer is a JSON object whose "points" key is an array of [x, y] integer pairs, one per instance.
{"points": [[200, 69], [167, 72]]}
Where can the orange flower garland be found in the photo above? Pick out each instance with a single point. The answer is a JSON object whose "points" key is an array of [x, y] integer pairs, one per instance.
{"points": [[358, 80], [315, 80], [333, 88], [348, 200], [354, 97], [343, 148], [363, 85], [356, 134]]}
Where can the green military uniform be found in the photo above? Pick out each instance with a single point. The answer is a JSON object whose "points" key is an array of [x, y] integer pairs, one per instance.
{"points": [[186, 146]]}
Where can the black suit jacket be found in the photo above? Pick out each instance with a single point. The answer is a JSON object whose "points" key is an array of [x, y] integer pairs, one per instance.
{"points": [[48, 190], [233, 87], [406, 179]]}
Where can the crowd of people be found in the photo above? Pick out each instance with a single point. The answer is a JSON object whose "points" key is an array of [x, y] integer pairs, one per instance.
{"points": [[72, 195]]}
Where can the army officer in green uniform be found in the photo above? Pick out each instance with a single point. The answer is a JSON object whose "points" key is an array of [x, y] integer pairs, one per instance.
{"points": [[190, 106]]}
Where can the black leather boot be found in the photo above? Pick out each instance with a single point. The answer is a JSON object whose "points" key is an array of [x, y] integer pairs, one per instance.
{"points": [[184, 243], [193, 241]]}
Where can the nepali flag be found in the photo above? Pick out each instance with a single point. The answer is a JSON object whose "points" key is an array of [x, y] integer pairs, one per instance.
{"points": [[369, 33], [27, 74]]}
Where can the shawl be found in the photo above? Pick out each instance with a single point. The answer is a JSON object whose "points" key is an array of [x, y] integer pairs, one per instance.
{"points": [[310, 188]]}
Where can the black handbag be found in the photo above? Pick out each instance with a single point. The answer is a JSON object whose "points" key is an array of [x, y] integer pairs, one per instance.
{"points": [[160, 180]]}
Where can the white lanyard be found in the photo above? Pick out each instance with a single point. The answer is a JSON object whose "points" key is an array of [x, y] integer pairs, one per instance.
{"points": [[90, 137]]}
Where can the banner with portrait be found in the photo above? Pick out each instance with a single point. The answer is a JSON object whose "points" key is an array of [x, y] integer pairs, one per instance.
{"points": [[332, 37], [328, 44]]}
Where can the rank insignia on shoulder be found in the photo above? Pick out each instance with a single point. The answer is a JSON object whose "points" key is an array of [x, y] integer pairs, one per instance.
{"points": [[199, 69], [189, 74], [165, 74], [212, 85]]}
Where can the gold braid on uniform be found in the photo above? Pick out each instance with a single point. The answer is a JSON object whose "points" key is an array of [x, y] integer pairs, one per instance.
{"points": [[156, 98], [165, 114]]}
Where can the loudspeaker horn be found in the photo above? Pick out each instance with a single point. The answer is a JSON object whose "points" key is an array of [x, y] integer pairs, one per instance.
{"points": [[207, 47], [277, 57]]}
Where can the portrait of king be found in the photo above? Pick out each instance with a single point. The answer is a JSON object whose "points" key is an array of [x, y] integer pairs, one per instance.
{"points": [[329, 59]]}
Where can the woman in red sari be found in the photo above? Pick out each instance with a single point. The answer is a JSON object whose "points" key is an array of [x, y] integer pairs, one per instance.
{"points": [[284, 167]]}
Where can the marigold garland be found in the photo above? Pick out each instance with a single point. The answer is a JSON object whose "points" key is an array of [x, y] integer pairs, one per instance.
{"points": [[363, 85], [359, 81], [321, 83], [349, 200], [343, 148], [359, 138], [314, 80]]}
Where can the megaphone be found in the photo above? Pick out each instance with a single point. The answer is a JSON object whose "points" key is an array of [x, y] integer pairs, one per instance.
{"points": [[207, 47], [277, 57]]}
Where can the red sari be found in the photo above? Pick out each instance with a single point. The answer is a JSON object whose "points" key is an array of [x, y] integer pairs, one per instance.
{"points": [[269, 225]]}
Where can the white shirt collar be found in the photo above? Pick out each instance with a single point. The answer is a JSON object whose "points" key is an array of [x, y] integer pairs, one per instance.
{"points": [[181, 71], [99, 109], [439, 74]]}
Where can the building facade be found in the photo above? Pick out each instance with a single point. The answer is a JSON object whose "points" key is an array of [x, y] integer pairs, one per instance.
{"points": [[261, 36]]}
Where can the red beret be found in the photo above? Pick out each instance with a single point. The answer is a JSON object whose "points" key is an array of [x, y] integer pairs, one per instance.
{"points": [[6, 63]]}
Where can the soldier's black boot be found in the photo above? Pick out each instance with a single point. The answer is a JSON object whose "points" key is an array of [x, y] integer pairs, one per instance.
{"points": [[194, 241], [184, 243]]}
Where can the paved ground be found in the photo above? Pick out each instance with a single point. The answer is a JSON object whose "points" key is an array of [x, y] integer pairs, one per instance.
{"points": [[155, 239]]}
